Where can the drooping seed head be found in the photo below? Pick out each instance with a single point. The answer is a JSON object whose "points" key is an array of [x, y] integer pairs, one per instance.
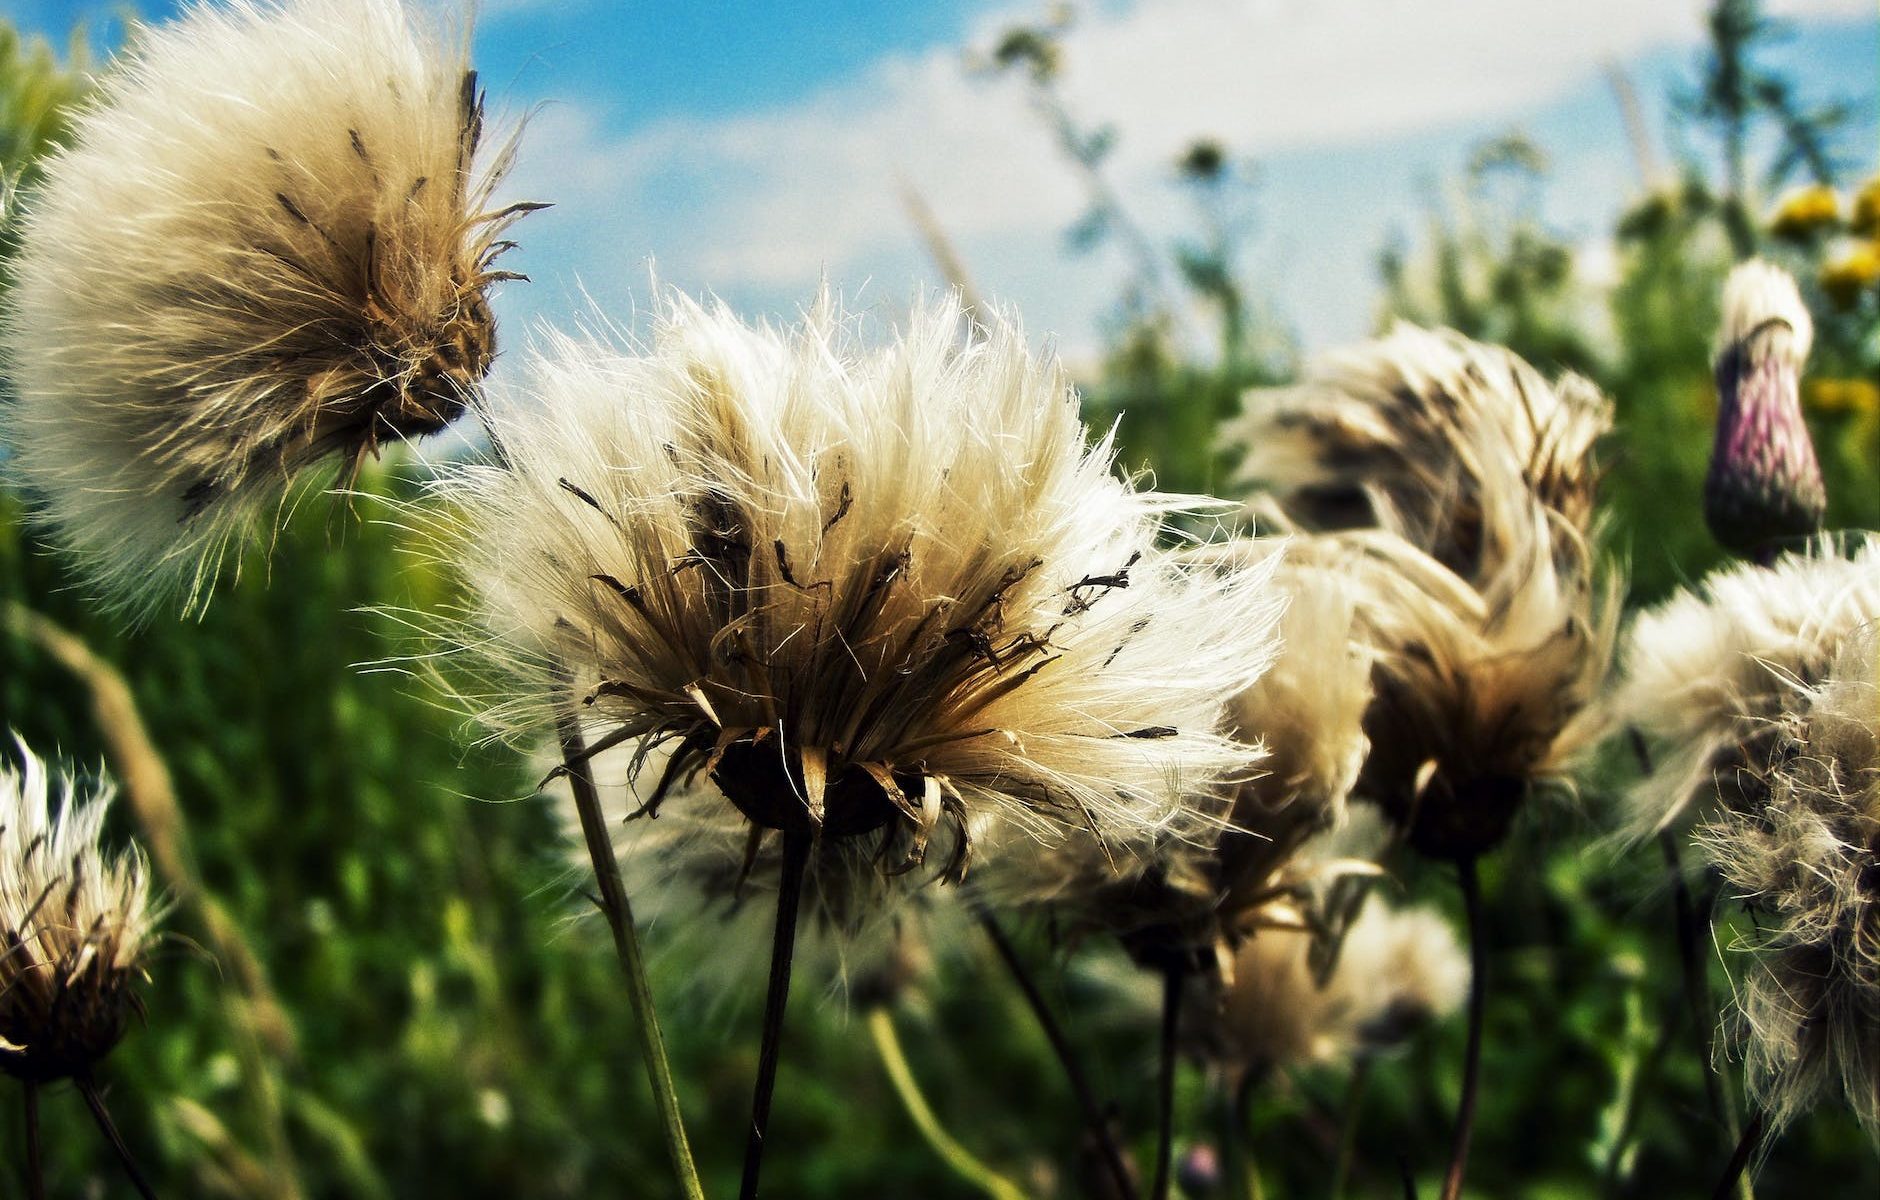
{"points": [[266, 249]]}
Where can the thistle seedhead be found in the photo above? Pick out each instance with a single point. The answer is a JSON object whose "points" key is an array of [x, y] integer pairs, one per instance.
{"points": [[865, 593], [1764, 486], [74, 925], [1234, 868], [1708, 675], [1400, 971], [1805, 859], [1458, 487], [267, 248], [1415, 432]]}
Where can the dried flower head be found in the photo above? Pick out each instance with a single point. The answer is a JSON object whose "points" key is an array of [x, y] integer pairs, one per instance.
{"points": [[1234, 868], [1412, 432], [1478, 582], [1708, 674], [267, 247], [1764, 486], [1400, 971], [75, 922], [1806, 860], [869, 594]]}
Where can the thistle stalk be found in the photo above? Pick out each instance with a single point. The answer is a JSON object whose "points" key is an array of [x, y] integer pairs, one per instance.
{"points": [[1172, 976], [35, 1169], [796, 848], [1074, 1074], [1746, 1145], [619, 914], [1472, 1060], [957, 1157], [108, 1127]]}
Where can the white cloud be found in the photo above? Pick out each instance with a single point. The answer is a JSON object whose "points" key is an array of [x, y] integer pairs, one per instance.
{"points": [[762, 203]]}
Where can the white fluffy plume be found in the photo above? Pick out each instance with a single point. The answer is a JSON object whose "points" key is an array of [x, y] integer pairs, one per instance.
{"points": [[265, 249], [1806, 859], [1708, 674], [874, 593], [74, 925]]}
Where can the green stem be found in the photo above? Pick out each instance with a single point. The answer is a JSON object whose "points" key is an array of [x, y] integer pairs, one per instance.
{"points": [[956, 1156], [1348, 1126], [1172, 977], [1086, 1095], [1472, 1059], [35, 1169], [108, 1127], [613, 897], [1734, 1173], [796, 848]]}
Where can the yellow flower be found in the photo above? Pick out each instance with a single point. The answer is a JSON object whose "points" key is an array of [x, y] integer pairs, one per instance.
{"points": [[1805, 212], [1844, 281], [1864, 221], [1843, 395]]}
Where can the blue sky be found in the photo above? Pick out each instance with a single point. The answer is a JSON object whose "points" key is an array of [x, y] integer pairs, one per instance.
{"points": [[750, 150]]}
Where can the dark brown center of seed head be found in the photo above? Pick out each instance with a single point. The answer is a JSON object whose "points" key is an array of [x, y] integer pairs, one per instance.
{"points": [[436, 393], [764, 780], [81, 1027], [1465, 821]]}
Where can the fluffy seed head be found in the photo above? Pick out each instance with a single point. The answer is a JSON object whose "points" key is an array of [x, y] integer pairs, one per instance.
{"points": [[1412, 432], [267, 247], [1806, 860], [74, 922], [1764, 485], [1196, 894], [1400, 970], [1492, 633], [1708, 674], [866, 593]]}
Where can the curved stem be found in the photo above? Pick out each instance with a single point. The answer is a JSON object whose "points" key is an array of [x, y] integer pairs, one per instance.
{"points": [[1074, 1074], [954, 1155], [1348, 1126], [619, 913], [106, 1126], [35, 1169], [1172, 976], [796, 847], [1472, 1061], [1739, 1160]]}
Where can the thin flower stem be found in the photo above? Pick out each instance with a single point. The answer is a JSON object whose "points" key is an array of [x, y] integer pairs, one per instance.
{"points": [[1348, 1126], [1086, 1095], [957, 1157], [796, 847], [1173, 976], [106, 1126], [1739, 1160], [35, 1169], [1472, 1061], [619, 913]]}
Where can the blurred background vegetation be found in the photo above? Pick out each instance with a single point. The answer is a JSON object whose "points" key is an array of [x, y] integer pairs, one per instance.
{"points": [[426, 1016]]}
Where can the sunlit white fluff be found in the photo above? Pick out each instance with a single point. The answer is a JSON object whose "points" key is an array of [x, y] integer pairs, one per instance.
{"points": [[1707, 674], [1805, 858], [1457, 487], [75, 923], [1409, 431], [1400, 971], [1195, 898], [869, 593], [265, 248]]}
